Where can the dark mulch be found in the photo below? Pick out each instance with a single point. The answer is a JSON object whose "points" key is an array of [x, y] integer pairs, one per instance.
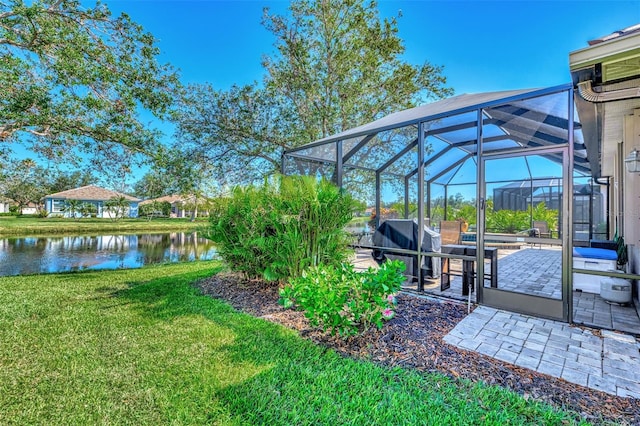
{"points": [[413, 339]]}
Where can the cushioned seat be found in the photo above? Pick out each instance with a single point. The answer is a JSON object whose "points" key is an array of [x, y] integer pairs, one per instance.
{"points": [[595, 253]]}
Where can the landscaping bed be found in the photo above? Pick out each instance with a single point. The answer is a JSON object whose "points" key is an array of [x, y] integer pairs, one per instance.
{"points": [[413, 339]]}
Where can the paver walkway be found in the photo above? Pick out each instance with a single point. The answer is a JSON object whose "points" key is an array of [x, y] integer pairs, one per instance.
{"points": [[609, 363]]}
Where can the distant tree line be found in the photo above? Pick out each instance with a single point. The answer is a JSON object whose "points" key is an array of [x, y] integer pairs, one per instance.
{"points": [[25, 182]]}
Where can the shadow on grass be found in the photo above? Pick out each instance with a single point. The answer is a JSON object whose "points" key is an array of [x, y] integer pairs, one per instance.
{"points": [[298, 382], [175, 296]]}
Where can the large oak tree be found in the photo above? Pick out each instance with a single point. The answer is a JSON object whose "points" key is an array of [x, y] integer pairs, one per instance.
{"points": [[74, 79], [337, 65]]}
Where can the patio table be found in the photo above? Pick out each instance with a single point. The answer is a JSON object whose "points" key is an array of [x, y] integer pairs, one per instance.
{"points": [[468, 269]]}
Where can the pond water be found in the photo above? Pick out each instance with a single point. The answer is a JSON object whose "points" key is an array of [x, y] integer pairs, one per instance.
{"points": [[30, 255]]}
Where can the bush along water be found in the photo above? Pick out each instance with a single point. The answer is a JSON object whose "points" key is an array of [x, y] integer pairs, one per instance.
{"points": [[276, 231], [344, 301]]}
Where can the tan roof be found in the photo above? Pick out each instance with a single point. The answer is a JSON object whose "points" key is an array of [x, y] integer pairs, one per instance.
{"points": [[90, 192], [171, 199], [168, 198]]}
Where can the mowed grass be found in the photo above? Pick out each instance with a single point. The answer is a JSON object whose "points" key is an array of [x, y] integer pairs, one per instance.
{"points": [[144, 347], [30, 225]]}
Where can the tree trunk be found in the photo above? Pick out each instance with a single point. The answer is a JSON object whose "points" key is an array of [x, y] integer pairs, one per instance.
{"points": [[194, 212]]}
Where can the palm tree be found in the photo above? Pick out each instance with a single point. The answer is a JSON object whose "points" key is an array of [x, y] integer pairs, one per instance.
{"points": [[88, 209], [117, 207], [72, 207]]}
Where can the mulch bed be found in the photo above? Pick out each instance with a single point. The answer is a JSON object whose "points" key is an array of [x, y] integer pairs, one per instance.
{"points": [[413, 339]]}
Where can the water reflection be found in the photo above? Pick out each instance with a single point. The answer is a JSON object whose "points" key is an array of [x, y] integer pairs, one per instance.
{"points": [[30, 255]]}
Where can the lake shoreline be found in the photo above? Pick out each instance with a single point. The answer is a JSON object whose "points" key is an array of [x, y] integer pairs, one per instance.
{"points": [[27, 226]]}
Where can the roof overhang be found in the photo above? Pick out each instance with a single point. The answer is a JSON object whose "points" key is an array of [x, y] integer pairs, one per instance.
{"points": [[600, 60], [607, 77]]}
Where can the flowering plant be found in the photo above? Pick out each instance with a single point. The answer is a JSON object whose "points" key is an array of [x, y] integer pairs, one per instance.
{"points": [[388, 313], [343, 300]]}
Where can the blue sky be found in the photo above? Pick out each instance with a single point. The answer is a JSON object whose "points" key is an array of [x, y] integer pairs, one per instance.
{"points": [[483, 45]]}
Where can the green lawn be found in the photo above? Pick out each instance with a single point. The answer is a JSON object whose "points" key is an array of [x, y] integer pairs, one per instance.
{"points": [[29, 225], [142, 346]]}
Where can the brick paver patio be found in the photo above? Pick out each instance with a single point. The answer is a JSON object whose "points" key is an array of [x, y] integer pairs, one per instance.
{"points": [[604, 360]]}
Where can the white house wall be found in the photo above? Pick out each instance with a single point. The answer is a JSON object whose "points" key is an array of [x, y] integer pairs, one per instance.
{"points": [[111, 214], [631, 140], [102, 212]]}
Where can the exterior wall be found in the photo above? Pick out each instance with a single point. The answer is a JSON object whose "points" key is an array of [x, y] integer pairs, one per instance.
{"points": [[133, 209], [4, 207], [48, 205], [106, 213], [29, 210], [631, 197], [102, 212], [176, 209], [625, 195]]}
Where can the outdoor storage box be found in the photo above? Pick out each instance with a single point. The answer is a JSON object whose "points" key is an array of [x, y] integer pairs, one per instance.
{"points": [[595, 259]]}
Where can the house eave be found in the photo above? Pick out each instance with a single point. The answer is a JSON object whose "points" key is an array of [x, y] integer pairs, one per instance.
{"points": [[589, 56]]}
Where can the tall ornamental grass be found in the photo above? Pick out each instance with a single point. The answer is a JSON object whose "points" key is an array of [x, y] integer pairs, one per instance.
{"points": [[275, 231]]}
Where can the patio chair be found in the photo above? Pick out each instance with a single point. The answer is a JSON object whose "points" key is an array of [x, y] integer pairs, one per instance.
{"points": [[543, 228], [450, 231]]}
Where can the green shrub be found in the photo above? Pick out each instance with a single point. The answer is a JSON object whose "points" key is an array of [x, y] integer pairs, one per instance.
{"points": [[277, 231], [238, 224], [88, 210], [541, 212], [155, 209], [508, 221], [344, 301], [466, 212], [512, 221]]}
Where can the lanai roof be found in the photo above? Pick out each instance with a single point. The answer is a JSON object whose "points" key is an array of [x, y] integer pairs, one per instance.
{"points": [[510, 119], [419, 113]]}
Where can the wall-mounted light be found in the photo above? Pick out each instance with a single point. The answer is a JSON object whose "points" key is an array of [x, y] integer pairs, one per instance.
{"points": [[632, 162]]}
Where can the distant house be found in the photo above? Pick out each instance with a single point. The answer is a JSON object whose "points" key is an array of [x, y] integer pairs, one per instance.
{"points": [[55, 203], [30, 208], [179, 204], [5, 203]]}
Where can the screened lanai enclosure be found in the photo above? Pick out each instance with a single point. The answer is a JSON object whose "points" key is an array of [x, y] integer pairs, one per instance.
{"points": [[488, 174]]}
